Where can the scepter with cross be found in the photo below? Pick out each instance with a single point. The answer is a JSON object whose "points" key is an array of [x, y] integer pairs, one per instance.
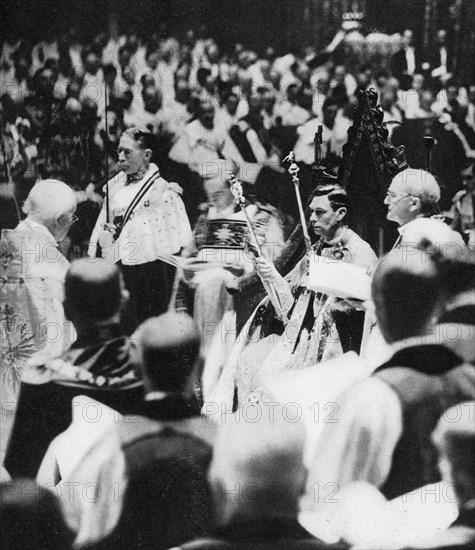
{"points": [[236, 190]]}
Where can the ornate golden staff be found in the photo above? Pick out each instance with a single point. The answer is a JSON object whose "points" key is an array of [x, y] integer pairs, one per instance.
{"points": [[293, 171], [236, 190]]}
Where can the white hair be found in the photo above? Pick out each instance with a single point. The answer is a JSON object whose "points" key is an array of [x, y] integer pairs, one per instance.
{"points": [[419, 183], [49, 199]]}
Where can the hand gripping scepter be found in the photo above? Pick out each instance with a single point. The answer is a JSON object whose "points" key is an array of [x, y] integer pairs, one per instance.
{"points": [[293, 171], [236, 190]]}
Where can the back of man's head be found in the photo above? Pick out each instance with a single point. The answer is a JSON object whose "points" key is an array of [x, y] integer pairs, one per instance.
{"points": [[260, 452], [169, 345], [457, 267], [406, 291], [31, 517], [94, 291], [454, 438], [48, 199]]}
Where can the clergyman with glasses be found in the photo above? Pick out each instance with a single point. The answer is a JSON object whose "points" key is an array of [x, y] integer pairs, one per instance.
{"points": [[413, 203]]}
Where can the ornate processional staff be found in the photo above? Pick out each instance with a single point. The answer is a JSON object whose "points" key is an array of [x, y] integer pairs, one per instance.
{"points": [[293, 171], [236, 190]]}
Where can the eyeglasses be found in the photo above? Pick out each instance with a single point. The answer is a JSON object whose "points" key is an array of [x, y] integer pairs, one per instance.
{"points": [[74, 219], [391, 195]]}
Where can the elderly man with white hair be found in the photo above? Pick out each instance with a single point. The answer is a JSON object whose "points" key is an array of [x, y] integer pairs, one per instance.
{"points": [[413, 203], [33, 272]]}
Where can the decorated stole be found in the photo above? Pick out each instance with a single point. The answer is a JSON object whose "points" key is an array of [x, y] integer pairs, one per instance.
{"points": [[146, 186]]}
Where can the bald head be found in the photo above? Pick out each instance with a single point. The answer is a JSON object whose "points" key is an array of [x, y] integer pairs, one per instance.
{"points": [[94, 291], [169, 345], [262, 453], [406, 291], [51, 203]]}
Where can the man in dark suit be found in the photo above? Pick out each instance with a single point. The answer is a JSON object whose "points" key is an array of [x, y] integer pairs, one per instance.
{"points": [[441, 59], [405, 62]]}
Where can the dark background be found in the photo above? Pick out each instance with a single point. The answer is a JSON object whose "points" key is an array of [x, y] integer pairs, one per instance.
{"points": [[255, 23]]}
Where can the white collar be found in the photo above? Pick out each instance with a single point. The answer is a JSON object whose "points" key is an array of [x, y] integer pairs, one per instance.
{"points": [[402, 228], [157, 395]]}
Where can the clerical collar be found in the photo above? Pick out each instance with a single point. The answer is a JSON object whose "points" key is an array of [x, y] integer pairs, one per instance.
{"points": [[159, 395]]}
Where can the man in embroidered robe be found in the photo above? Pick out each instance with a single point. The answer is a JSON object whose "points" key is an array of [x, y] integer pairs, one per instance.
{"points": [[307, 327], [147, 221], [33, 271]]}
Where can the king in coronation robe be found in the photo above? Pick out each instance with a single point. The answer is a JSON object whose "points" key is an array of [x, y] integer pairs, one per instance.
{"points": [[295, 327]]}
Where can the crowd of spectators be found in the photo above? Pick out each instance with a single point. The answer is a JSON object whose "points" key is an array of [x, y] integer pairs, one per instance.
{"points": [[60, 96]]}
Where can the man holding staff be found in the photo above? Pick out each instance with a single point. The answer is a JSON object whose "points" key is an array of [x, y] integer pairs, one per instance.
{"points": [[301, 327], [143, 221]]}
